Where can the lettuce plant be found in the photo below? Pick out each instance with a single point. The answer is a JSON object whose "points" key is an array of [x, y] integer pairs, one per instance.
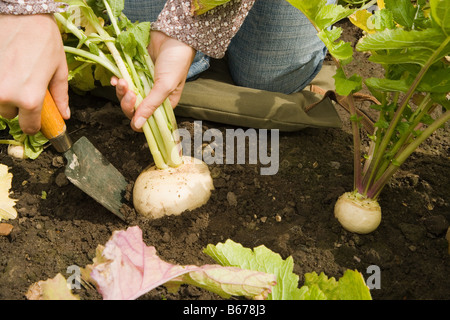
{"points": [[126, 268], [411, 41], [31, 146], [350, 286]]}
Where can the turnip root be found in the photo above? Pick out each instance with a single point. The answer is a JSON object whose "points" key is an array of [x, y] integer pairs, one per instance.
{"points": [[17, 151], [357, 214], [160, 192]]}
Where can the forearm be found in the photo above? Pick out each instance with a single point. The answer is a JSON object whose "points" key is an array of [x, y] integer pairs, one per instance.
{"points": [[210, 32], [24, 7]]}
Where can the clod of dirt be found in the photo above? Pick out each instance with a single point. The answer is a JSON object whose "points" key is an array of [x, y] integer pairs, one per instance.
{"points": [[436, 225]]}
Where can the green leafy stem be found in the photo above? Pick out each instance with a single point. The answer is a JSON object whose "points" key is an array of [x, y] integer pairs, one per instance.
{"points": [[411, 44], [120, 47]]}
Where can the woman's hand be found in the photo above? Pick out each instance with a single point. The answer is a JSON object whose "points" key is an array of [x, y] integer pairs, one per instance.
{"points": [[172, 60], [32, 59]]}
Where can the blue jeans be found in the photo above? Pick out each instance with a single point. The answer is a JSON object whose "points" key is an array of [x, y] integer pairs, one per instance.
{"points": [[276, 49]]}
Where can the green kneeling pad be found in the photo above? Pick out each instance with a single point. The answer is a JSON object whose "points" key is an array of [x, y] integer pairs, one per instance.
{"points": [[214, 97]]}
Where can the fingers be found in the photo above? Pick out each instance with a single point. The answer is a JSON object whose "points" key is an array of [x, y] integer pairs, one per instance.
{"points": [[121, 87], [126, 97], [59, 88], [27, 105], [30, 117], [154, 99], [32, 59], [172, 62], [7, 111]]}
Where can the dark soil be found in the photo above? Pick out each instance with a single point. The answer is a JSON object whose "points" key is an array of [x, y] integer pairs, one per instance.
{"points": [[290, 212]]}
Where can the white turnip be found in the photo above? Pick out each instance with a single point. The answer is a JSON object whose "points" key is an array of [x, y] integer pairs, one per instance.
{"points": [[357, 214], [175, 183], [159, 192], [17, 151]]}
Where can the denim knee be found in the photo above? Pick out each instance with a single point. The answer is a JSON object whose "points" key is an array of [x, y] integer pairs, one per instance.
{"points": [[285, 78], [143, 10], [276, 49]]}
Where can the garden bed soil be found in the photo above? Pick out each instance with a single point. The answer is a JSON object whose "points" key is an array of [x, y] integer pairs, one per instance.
{"points": [[290, 212]]}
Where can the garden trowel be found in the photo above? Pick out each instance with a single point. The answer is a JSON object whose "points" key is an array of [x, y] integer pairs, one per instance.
{"points": [[86, 167]]}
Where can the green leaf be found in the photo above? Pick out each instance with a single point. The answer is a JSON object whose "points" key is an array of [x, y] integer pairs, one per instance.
{"points": [[135, 38], [312, 293], [259, 259], [387, 85], [103, 75], [3, 123], [323, 16], [381, 124], [316, 287], [436, 80], [309, 8], [419, 57], [93, 49], [383, 19], [340, 50], [442, 99], [33, 144], [201, 6], [440, 11], [345, 86], [403, 12], [353, 287], [329, 286], [330, 14], [388, 39], [403, 127], [81, 77], [117, 6]]}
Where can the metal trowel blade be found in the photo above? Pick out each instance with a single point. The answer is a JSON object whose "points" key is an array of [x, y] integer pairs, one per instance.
{"points": [[90, 171]]}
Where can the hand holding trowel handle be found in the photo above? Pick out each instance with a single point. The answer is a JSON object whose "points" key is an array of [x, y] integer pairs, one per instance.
{"points": [[86, 167], [53, 126]]}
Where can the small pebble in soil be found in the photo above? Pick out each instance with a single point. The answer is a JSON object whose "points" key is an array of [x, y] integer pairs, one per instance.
{"points": [[335, 165], [5, 229]]}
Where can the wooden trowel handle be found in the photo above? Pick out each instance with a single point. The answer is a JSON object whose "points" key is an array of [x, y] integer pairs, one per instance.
{"points": [[52, 123], [53, 126]]}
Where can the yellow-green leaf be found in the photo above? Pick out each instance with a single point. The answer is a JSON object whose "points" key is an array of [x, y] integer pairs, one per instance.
{"points": [[201, 6], [51, 289], [360, 19], [7, 210]]}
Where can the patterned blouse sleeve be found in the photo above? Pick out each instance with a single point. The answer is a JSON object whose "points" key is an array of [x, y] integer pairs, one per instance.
{"points": [[210, 32], [19, 7]]}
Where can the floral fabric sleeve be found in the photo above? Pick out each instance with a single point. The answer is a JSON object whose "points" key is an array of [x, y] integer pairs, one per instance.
{"points": [[210, 32], [19, 7]]}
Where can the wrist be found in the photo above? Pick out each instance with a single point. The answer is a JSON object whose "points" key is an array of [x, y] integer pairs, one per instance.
{"points": [[26, 7]]}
